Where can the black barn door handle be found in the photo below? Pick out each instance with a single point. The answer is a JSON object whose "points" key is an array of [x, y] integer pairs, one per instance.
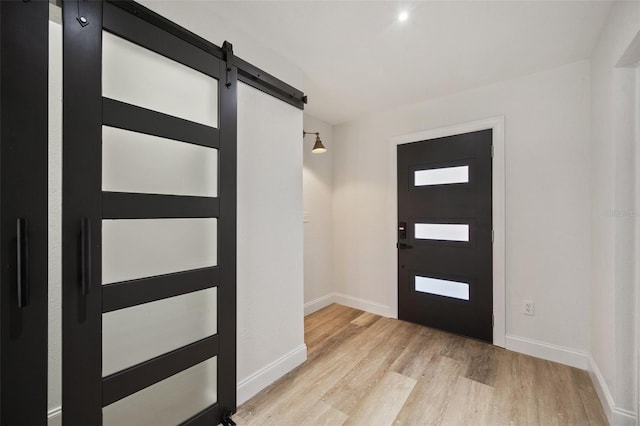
{"points": [[403, 246], [85, 256], [22, 262]]}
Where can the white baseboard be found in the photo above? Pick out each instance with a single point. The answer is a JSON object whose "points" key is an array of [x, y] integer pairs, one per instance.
{"points": [[616, 416], [262, 378], [622, 417], [548, 351], [351, 301], [601, 389], [54, 417], [319, 303], [364, 305]]}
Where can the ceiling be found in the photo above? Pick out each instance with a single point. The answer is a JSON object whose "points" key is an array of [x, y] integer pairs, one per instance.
{"points": [[358, 58]]}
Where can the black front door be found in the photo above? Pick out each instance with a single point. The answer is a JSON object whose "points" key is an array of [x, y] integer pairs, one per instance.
{"points": [[445, 234]]}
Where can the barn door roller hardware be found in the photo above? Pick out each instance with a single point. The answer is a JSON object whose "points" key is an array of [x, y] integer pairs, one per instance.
{"points": [[227, 420]]}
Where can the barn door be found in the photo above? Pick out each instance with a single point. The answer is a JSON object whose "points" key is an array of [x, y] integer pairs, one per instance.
{"points": [[149, 199], [23, 212]]}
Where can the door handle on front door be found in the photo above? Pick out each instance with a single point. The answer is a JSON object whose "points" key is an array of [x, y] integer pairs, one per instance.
{"points": [[403, 246], [402, 234]]}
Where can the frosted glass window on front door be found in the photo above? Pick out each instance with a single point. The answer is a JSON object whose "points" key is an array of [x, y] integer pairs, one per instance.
{"points": [[453, 289], [138, 76], [441, 176], [138, 248], [137, 162], [441, 231]]}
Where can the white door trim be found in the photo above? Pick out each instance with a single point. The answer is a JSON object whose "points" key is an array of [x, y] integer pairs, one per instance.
{"points": [[637, 242], [498, 194]]}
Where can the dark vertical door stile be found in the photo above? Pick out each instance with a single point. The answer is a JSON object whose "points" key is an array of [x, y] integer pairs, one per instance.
{"points": [[81, 214], [24, 55], [227, 233]]}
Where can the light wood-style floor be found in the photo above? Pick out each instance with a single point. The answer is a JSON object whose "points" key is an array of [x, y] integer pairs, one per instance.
{"points": [[367, 370]]}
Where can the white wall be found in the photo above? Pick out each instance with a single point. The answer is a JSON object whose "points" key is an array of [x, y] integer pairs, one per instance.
{"points": [[317, 183], [200, 17], [613, 174], [270, 242], [54, 367], [547, 203]]}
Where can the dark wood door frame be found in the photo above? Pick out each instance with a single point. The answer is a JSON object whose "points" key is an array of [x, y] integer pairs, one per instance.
{"points": [[498, 193]]}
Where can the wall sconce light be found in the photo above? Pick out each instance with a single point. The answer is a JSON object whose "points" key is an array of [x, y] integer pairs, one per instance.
{"points": [[318, 148]]}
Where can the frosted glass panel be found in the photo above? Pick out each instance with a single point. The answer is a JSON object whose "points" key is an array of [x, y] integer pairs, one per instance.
{"points": [[135, 162], [454, 289], [145, 247], [169, 402], [441, 231], [136, 334], [442, 176], [138, 76]]}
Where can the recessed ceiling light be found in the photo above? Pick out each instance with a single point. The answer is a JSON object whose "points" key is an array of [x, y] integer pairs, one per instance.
{"points": [[403, 16]]}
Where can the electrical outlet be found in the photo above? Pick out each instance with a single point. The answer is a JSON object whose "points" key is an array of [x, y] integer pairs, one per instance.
{"points": [[528, 307]]}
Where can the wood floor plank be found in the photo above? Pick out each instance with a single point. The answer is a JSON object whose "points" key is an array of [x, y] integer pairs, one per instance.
{"points": [[320, 317], [334, 342], [329, 327], [469, 404], [384, 402], [427, 402], [365, 319], [559, 398], [323, 316], [514, 390], [455, 347], [323, 414], [329, 352], [365, 375], [312, 380], [483, 364], [420, 348], [366, 370], [591, 403]]}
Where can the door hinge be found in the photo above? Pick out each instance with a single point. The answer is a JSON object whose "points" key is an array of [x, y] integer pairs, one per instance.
{"points": [[491, 151], [492, 236], [493, 321]]}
